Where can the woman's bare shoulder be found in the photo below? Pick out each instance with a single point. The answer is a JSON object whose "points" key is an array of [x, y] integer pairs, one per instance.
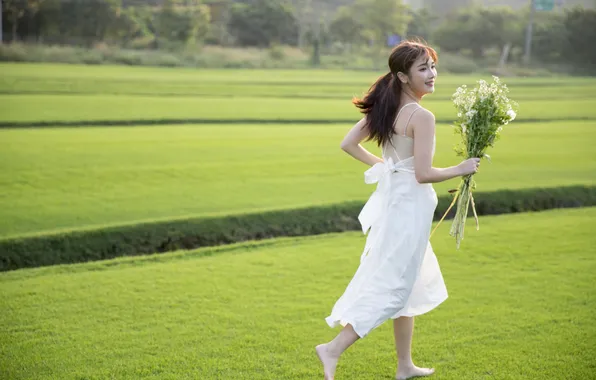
{"points": [[423, 115], [423, 119]]}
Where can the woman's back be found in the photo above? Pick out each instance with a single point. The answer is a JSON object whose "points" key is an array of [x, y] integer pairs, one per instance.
{"points": [[401, 146]]}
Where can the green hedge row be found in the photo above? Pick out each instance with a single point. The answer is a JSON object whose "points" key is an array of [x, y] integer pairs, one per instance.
{"points": [[82, 246], [145, 122]]}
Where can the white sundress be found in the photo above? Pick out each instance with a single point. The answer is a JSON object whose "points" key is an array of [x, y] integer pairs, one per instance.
{"points": [[399, 274]]}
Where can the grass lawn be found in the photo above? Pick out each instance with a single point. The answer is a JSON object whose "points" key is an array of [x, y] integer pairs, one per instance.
{"points": [[19, 78], [122, 108], [521, 306], [83, 177], [71, 93]]}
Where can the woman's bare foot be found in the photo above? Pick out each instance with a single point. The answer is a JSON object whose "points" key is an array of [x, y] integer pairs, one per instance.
{"points": [[328, 360], [413, 371]]}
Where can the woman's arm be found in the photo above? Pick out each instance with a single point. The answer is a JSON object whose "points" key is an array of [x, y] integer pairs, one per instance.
{"points": [[351, 144], [423, 127]]}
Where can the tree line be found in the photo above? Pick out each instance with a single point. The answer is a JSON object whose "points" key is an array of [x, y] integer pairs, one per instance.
{"points": [[346, 25]]}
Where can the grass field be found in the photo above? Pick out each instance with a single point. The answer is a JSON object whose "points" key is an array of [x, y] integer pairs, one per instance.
{"points": [[79, 178], [522, 292], [61, 79], [521, 306], [70, 93], [70, 178], [122, 108]]}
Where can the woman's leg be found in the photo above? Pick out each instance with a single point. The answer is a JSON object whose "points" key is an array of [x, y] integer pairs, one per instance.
{"points": [[403, 329], [329, 352]]}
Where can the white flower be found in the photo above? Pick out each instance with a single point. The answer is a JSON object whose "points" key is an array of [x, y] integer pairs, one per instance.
{"points": [[470, 114], [511, 114], [459, 114], [463, 128]]}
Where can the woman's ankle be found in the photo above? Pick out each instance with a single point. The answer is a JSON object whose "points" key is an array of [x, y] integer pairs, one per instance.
{"points": [[332, 350], [405, 364]]}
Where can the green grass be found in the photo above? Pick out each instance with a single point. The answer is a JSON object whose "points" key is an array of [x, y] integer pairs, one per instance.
{"points": [[64, 178], [69, 108], [70, 178], [521, 306], [41, 78], [71, 93]]}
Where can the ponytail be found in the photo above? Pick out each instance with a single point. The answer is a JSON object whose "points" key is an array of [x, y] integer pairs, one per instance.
{"points": [[380, 107]]}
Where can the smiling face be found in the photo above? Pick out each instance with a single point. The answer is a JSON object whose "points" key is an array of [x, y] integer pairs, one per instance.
{"points": [[414, 65], [422, 75]]}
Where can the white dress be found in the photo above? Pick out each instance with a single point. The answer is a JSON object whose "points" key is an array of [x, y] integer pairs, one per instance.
{"points": [[399, 274]]}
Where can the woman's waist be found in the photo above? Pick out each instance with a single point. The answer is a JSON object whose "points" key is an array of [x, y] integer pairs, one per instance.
{"points": [[404, 181]]}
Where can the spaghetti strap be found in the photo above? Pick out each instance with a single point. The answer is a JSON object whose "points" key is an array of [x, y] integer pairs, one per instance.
{"points": [[408, 122], [395, 122], [402, 108], [394, 150]]}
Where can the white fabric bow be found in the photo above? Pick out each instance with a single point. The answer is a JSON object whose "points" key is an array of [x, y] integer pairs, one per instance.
{"points": [[377, 203]]}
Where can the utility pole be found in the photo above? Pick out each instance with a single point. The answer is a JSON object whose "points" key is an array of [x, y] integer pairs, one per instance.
{"points": [[529, 33]]}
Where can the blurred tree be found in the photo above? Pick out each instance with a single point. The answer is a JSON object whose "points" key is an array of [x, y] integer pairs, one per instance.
{"points": [[181, 22], [421, 24], [102, 19], [78, 21], [549, 37], [345, 28], [499, 25], [314, 18], [262, 22], [48, 19], [304, 14], [580, 47], [381, 18], [477, 29], [15, 9], [220, 18], [444, 8], [135, 24]]}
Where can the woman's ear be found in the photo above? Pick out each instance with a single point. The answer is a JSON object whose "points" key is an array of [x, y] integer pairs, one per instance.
{"points": [[402, 77]]}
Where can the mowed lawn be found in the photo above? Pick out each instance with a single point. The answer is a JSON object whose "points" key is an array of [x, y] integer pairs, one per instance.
{"points": [[26, 78], [73, 178], [521, 306], [46, 93], [125, 108]]}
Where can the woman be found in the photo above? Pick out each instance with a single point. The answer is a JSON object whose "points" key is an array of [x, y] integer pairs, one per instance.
{"points": [[399, 276]]}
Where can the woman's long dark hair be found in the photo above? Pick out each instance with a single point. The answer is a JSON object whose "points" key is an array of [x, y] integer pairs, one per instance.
{"points": [[381, 102]]}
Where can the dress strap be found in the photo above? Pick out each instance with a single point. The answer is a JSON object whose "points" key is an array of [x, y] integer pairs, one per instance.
{"points": [[394, 150], [396, 117], [410, 118], [402, 108]]}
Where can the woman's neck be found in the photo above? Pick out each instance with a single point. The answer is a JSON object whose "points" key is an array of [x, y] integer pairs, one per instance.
{"points": [[409, 97]]}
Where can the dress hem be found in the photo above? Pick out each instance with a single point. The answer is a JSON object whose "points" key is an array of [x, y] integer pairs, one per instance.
{"points": [[336, 321]]}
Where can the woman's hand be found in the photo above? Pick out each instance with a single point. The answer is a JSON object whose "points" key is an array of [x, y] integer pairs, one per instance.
{"points": [[469, 166], [423, 127]]}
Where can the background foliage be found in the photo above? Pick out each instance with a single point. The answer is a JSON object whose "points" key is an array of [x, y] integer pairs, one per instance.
{"points": [[478, 30]]}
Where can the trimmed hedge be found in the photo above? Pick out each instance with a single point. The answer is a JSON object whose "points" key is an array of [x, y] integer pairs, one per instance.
{"points": [[140, 239], [145, 122]]}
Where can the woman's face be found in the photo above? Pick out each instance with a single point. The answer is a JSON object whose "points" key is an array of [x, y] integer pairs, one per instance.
{"points": [[422, 76]]}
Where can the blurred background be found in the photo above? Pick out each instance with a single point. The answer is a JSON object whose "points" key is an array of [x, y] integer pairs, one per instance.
{"points": [[471, 35]]}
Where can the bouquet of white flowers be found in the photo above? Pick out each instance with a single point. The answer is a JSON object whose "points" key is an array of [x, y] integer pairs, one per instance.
{"points": [[482, 112]]}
